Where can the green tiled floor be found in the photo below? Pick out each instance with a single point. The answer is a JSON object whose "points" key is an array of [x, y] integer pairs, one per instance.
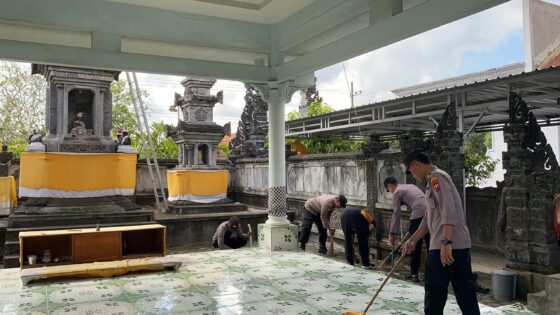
{"points": [[246, 281]]}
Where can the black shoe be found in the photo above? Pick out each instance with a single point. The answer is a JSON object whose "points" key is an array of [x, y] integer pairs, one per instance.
{"points": [[301, 248], [368, 267], [413, 278], [481, 289], [322, 250]]}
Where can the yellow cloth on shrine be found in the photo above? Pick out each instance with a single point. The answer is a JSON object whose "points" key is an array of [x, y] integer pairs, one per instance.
{"points": [[197, 185], [70, 175], [8, 197]]}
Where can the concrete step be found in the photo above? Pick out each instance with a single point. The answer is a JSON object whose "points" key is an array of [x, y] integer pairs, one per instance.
{"points": [[11, 261], [23, 221], [536, 302], [552, 284], [206, 208]]}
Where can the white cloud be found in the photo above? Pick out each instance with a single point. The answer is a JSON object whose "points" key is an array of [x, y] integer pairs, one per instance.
{"points": [[429, 56]]}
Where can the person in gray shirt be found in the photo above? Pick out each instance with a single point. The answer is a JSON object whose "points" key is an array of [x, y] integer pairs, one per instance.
{"points": [[413, 197], [449, 258], [319, 210]]}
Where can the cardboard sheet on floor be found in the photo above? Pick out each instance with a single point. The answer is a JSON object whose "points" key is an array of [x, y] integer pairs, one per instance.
{"points": [[100, 269]]}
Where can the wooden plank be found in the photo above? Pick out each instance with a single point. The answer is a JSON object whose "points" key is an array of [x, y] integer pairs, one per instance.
{"points": [[94, 247], [90, 230]]}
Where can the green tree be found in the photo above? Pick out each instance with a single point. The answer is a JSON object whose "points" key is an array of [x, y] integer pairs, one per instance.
{"points": [[123, 110], [225, 148], [165, 147], [22, 101], [478, 165], [317, 146]]}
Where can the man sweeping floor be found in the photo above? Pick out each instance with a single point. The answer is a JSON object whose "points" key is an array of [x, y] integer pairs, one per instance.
{"points": [[449, 257]]}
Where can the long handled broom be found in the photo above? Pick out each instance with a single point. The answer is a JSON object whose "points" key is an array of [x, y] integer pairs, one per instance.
{"points": [[378, 290], [396, 249]]}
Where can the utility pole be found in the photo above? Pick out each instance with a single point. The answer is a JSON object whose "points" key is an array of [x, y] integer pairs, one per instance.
{"points": [[352, 94]]}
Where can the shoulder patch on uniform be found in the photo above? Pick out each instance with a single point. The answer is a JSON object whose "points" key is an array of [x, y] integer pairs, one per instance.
{"points": [[435, 183]]}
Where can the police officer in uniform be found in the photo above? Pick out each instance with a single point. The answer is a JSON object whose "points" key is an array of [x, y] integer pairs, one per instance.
{"points": [[413, 197], [319, 210], [449, 258], [357, 221]]}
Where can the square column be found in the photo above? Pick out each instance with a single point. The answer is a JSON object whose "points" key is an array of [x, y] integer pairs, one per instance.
{"points": [[277, 233]]}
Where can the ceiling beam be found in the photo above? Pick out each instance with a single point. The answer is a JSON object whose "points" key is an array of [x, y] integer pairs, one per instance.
{"points": [[91, 58], [108, 18], [411, 22], [317, 18]]}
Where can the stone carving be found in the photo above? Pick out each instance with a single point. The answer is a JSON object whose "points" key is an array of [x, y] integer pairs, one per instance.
{"points": [[518, 110], [448, 120], [374, 146], [86, 147], [251, 132], [124, 143], [35, 141], [72, 91], [201, 114], [531, 178], [79, 129], [309, 96], [535, 141], [414, 140], [197, 135], [35, 136]]}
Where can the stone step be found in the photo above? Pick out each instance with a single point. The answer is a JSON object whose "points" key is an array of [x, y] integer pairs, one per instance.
{"points": [[11, 261], [536, 302], [206, 208], [41, 220], [552, 284], [11, 248]]}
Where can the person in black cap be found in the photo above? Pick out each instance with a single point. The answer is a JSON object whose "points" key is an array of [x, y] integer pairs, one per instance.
{"points": [[413, 197], [318, 210], [449, 258], [229, 235]]}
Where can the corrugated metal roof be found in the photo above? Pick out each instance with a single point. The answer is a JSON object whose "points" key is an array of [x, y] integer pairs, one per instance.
{"points": [[486, 98]]}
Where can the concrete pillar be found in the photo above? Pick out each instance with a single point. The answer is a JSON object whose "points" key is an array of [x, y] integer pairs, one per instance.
{"points": [[276, 160], [210, 155], [195, 156], [277, 233]]}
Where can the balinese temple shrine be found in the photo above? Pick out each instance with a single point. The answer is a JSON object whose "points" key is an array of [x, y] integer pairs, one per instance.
{"points": [[197, 178], [77, 217], [80, 159]]}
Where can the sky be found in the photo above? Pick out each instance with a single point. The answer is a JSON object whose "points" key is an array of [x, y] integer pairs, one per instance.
{"points": [[489, 39]]}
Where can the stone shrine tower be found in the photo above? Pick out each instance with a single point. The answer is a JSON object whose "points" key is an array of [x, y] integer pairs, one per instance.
{"points": [[197, 134], [79, 109]]}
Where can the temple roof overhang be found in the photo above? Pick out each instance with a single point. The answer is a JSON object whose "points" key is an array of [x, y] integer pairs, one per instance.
{"points": [[245, 40]]}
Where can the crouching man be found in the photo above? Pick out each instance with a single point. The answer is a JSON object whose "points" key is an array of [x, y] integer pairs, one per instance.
{"points": [[229, 235]]}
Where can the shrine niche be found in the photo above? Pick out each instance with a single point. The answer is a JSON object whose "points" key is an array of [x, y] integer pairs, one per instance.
{"points": [[78, 109]]}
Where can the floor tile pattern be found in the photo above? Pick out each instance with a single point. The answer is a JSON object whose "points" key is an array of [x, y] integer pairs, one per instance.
{"points": [[247, 281]]}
